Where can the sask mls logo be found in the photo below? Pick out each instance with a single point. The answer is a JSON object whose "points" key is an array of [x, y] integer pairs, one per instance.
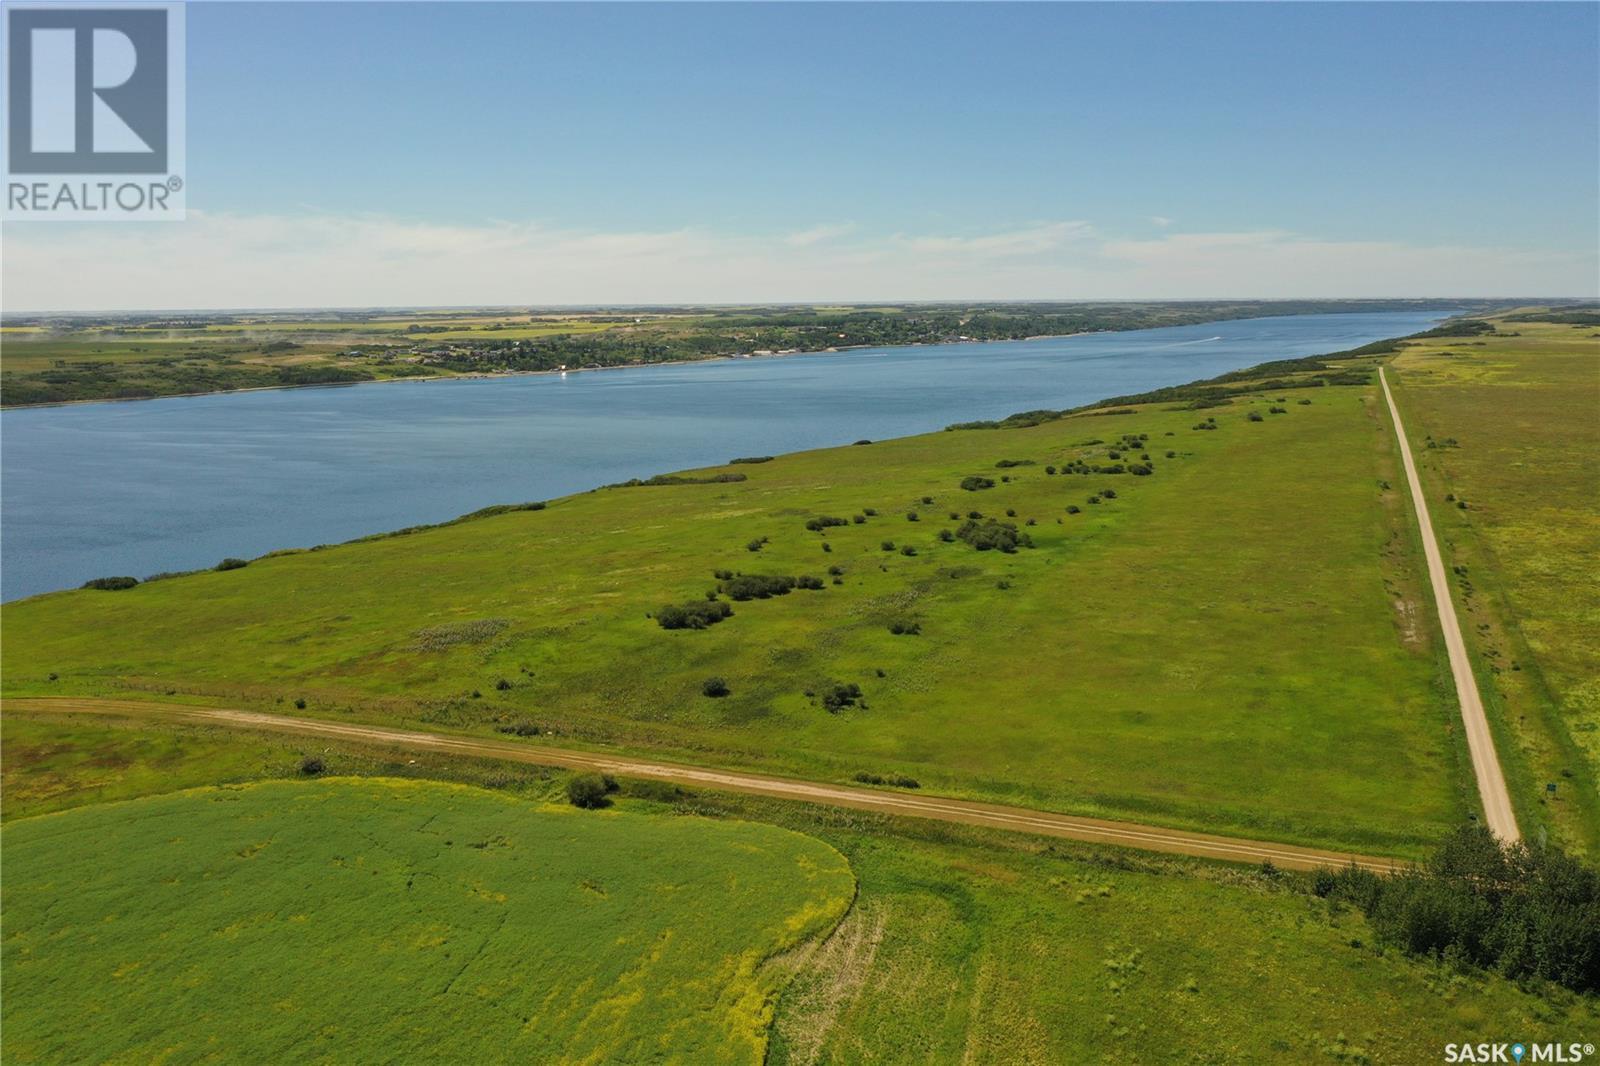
{"points": [[94, 112]]}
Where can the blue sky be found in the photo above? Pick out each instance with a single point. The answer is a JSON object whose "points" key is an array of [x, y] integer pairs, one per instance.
{"points": [[621, 152]]}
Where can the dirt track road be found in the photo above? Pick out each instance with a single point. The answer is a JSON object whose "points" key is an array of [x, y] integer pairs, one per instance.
{"points": [[969, 812], [1502, 821]]}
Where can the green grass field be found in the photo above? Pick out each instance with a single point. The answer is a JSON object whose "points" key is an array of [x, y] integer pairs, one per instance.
{"points": [[961, 946], [1508, 426], [346, 919], [1235, 643]]}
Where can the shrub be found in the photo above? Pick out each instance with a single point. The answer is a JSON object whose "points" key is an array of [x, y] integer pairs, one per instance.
{"points": [[912, 516], [1305, 403], [859, 519], [1108, 494], [827, 547], [311, 766], [751, 459], [715, 687], [1050, 470], [1526, 912], [927, 500], [722, 575], [908, 550], [231, 563], [1113, 454], [300, 704], [1277, 410], [589, 791], [1073, 508], [887, 545], [520, 729], [903, 627], [692, 615], [111, 584], [837, 695], [976, 482], [818, 524], [835, 571], [870, 512], [1006, 464], [1172, 455], [1140, 470], [946, 536], [990, 535], [755, 545], [502, 685], [758, 586], [1256, 416], [808, 581], [897, 780]]}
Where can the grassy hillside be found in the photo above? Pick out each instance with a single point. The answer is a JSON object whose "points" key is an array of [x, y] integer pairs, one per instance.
{"points": [[342, 920], [1235, 642], [962, 945], [1507, 426]]}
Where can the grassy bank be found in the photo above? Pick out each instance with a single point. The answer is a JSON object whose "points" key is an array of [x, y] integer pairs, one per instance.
{"points": [[1233, 641]]}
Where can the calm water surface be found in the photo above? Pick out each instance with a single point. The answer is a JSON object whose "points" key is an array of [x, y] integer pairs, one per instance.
{"points": [[174, 484]]}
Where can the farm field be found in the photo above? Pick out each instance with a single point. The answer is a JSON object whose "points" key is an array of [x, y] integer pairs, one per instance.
{"points": [[1235, 643], [346, 918], [961, 945], [1507, 426]]}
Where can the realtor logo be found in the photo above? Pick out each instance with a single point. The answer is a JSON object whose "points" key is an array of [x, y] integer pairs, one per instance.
{"points": [[94, 92]]}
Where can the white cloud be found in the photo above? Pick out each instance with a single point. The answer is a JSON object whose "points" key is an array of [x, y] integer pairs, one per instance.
{"points": [[1160, 220], [319, 260], [1033, 240], [807, 237]]}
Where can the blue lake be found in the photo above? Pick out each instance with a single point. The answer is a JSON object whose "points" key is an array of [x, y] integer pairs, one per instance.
{"points": [[173, 484]]}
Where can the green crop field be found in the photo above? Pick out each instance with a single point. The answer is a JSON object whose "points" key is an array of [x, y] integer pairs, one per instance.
{"points": [[340, 920], [1236, 642], [961, 945], [1509, 426]]}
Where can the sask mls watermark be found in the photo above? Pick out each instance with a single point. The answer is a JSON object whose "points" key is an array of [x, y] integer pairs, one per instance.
{"points": [[94, 112]]}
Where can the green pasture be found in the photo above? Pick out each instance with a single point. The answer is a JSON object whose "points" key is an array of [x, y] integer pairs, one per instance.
{"points": [[345, 920], [1234, 643], [1510, 427]]}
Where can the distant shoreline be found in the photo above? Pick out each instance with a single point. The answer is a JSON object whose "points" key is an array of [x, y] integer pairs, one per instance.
{"points": [[740, 357]]}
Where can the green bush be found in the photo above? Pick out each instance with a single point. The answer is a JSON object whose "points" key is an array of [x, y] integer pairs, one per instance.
{"points": [[818, 524], [311, 766], [751, 459], [692, 615], [715, 687], [1256, 416], [837, 695], [589, 791], [111, 584], [976, 482], [991, 535], [231, 563], [1525, 912]]}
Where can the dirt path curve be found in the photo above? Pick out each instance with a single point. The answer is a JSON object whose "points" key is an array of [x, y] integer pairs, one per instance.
{"points": [[1502, 821], [970, 812]]}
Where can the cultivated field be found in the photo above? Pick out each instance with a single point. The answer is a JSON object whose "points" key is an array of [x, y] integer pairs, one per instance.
{"points": [[340, 920], [961, 945]]}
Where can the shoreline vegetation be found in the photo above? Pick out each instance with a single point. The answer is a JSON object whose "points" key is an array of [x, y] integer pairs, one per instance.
{"points": [[1313, 371], [54, 361]]}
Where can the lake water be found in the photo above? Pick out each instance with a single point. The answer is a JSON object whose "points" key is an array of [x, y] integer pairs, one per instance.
{"points": [[174, 484]]}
